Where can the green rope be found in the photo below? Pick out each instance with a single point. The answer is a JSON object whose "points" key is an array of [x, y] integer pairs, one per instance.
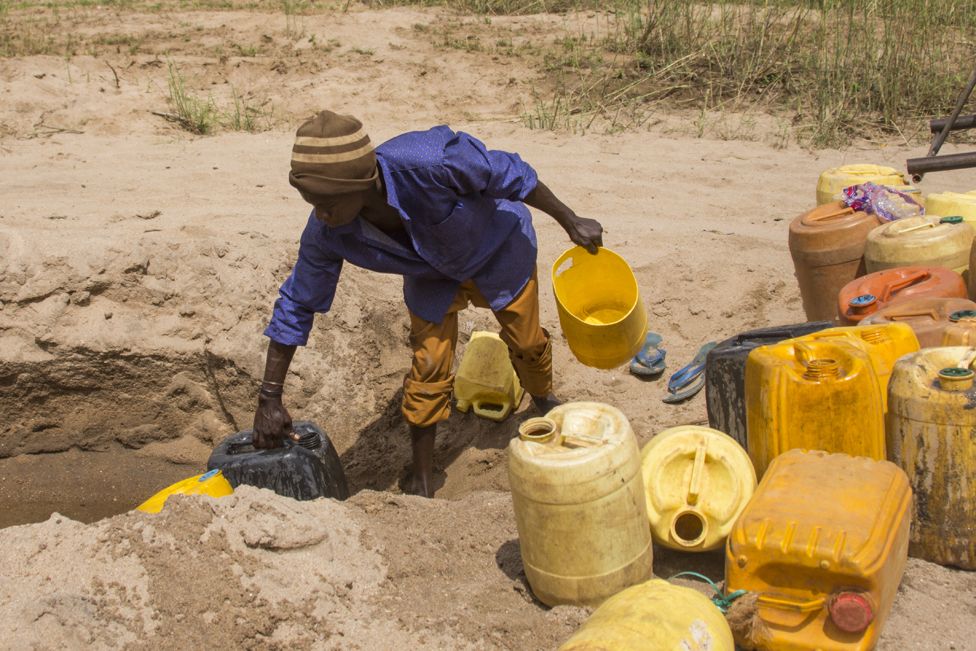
{"points": [[722, 600]]}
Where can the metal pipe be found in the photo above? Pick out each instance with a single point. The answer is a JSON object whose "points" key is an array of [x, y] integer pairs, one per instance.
{"points": [[962, 122], [960, 102], [919, 166]]}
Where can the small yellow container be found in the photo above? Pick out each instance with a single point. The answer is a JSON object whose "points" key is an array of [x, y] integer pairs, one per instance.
{"points": [[211, 483], [930, 435], [486, 381], [697, 481], [947, 204], [928, 241], [814, 395], [654, 615], [961, 330], [884, 344], [579, 504], [599, 305], [824, 543], [833, 181]]}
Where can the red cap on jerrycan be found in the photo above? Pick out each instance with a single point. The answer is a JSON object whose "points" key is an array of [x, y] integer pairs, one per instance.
{"points": [[851, 612]]}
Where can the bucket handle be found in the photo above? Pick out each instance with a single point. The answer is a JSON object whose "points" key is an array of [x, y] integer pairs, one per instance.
{"points": [[808, 220], [904, 283], [788, 604]]}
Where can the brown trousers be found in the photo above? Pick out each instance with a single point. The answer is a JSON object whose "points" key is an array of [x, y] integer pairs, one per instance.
{"points": [[428, 386]]}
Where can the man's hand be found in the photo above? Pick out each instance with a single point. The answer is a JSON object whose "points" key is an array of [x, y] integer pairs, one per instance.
{"points": [[585, 232], [272, 423]]}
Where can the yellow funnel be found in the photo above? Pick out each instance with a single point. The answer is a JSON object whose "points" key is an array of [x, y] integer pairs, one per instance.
{"points": [[599, 305]]}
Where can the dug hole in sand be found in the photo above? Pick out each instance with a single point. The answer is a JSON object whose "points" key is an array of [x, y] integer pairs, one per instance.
{"points": [[138, 266]]}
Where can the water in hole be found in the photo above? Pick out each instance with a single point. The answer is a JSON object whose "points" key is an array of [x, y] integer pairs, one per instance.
{"points": [[82, 485]]}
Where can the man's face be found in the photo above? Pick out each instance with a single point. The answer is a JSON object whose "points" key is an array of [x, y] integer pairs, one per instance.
{"points": [[338, 209]]}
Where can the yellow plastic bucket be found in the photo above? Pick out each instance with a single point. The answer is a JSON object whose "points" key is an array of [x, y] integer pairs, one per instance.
{"points": [[599, 305], [211, 483]]}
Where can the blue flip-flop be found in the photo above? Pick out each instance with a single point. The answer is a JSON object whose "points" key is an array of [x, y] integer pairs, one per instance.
{"points": [[689, 380], [649, 360]]}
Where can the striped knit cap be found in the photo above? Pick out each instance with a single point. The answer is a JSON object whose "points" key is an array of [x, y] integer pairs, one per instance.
{"points": [[332, 155]]}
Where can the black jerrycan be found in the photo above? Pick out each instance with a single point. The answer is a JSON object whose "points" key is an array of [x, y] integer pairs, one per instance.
{"points": [[725, 374], [304, 470]]}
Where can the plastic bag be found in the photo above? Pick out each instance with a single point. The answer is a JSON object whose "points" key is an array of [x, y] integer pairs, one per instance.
{"points": [[884, 201]]}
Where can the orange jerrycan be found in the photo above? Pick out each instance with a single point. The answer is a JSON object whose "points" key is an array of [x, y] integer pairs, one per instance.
{"points": [[697, 480], [814, 395], [579, 504], [924, 241], [485, 379], [864, 296], [961, 329], [884, 344], [833, 181], [211, 483], [930, 435], [827, 247], [599, 305], [928, 316], [654, 615], [823, 543]]}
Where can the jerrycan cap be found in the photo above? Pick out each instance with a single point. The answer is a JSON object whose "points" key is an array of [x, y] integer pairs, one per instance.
{"points": [[851, 612], [862, 302], [954, 378], [951, 219], [959, 315]]}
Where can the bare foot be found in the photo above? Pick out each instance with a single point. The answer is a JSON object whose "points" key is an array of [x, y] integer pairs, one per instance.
{"points": [[545, 403]]}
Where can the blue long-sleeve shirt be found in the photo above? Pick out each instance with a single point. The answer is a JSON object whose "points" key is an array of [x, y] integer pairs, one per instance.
{"points": [[463, 217]]}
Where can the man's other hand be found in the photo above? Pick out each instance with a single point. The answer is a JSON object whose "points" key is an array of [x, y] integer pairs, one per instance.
{"points": [[587, 233]]}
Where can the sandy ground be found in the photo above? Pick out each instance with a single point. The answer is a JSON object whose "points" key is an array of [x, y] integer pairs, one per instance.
{"points": [[138, 264]]}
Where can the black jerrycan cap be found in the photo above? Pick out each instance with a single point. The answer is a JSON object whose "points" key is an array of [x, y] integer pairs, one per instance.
{"points": [[304, 470]]}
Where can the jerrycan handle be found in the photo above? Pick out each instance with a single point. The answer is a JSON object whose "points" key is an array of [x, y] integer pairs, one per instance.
{"points": [[788, 604], [809, 220], [803, 352], [911, 314], [697, 472], [904, 283], [917, 227]]}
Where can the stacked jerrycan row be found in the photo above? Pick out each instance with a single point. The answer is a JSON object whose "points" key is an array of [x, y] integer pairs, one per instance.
{"points": [[821, 543]]}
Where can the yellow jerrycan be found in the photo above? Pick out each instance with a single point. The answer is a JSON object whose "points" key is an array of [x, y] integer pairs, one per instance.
{"points": [[884, 343], [833, 181], [947, 204], [211, 483], [599, 305], [485, 380], [961, 329], [579, 504], [697, 481], [930, 435], [654, 615], [930, 241], [814, 395], [823, 544]]}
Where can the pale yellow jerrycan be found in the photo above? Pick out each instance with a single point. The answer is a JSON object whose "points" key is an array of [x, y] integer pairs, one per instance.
{"points": [[961, 329], [823, 546], [486, 381], [697, 481], [930, 435], [927, 241], [884, 344], [947, 204], [813, 395], [599, 305], [579, 504], [211, 483], [654, 615], [833, 181]]}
